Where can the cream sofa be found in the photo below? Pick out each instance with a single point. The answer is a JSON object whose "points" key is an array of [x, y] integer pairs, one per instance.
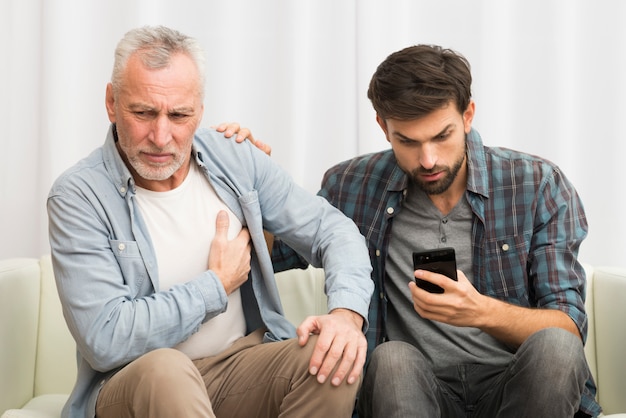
{"points": [[37, 353]]}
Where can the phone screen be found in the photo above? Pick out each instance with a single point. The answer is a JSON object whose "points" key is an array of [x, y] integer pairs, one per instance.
{"points": [[439, 260]]}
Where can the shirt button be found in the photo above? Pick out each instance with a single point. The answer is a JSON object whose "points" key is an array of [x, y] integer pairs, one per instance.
{"points": [[390, 211], [377, 253], [444, 220], [444, 239], [505, 247], [121, 247], [122, 189]]}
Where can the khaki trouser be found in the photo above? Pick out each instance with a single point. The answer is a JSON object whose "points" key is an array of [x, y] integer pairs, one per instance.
{"points": [[249, 379]]}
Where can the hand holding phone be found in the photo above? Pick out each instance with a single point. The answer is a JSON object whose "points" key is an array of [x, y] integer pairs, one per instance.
{"points": [[439, 260]]}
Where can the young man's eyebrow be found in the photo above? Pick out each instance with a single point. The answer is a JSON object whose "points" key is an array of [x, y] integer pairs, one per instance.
{"points": [[403, 137], [406, 138], [447, 128]]}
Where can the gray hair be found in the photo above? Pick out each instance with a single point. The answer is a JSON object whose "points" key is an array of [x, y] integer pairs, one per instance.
{"points": [[156, 45]]}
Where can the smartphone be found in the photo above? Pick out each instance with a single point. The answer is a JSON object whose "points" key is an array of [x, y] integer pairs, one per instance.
{"points": [[439, 260]]}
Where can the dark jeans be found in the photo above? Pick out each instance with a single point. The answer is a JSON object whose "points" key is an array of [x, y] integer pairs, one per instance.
{"points": [[545, 378]]}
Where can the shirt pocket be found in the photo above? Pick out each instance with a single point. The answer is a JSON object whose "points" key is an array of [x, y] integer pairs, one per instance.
{"points": [[131, 265], [506, 275]]}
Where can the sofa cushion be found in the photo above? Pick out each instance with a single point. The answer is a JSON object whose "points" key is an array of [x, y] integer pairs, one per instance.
{"points": [[44, 406]]}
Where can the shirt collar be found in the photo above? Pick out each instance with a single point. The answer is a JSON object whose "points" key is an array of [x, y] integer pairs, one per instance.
{"points": [[477, 175], [117, 168], [115, 165]]}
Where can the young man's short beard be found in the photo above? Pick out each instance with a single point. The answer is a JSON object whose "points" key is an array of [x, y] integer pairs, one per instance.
{"points": [[440, 186]]}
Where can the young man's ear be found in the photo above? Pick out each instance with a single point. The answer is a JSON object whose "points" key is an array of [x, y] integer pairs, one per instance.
{"points": [[381, 122], [468, 116]]}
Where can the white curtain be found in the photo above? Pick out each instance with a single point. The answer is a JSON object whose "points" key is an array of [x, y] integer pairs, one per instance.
{"points": [[549, 79]]}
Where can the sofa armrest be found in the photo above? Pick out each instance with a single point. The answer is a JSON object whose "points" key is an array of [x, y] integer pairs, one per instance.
{"points": [[590, 346], [609, 289], [19, 313], [56, 349]]}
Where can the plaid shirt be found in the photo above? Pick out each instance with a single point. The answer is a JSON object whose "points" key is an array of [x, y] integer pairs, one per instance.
{"points": [[527, 227]]}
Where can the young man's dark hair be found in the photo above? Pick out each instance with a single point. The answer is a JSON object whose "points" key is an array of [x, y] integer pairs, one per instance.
{"points": [[419, 79]]}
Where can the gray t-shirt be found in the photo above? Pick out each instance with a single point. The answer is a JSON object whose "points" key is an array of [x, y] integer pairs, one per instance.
{"points": [[421, 226]]}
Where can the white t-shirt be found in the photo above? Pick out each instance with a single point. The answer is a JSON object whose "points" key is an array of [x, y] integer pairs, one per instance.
{"points": [[181, 223]]}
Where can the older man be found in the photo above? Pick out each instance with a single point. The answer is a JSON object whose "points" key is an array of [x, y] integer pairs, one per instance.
{"points": [[164, 276]]}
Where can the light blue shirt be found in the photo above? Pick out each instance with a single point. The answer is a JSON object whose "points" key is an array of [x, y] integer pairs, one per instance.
{"points": [[106, 269]]}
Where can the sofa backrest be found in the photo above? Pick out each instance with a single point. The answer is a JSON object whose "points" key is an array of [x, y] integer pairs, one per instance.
{"points": [[302, 293]]}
